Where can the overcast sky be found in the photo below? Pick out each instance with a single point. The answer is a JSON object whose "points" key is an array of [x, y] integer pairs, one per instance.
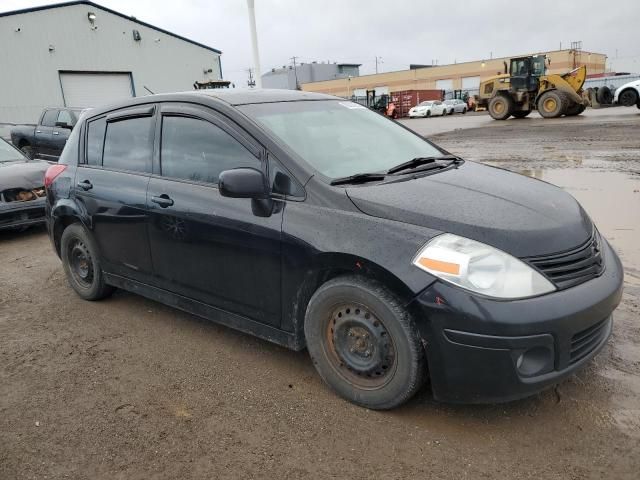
{"points": [[399, 31]]}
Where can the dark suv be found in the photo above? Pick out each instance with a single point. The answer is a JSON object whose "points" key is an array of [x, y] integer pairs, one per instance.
{"points": [[314, 222]]}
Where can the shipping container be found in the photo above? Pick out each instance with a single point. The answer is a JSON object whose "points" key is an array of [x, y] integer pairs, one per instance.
{"points": [[407, 99]]}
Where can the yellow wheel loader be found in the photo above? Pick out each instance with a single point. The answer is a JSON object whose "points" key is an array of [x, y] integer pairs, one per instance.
{"points": [[527, 87]]}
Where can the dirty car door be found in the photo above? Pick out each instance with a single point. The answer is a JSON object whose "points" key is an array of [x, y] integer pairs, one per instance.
{"points": [[221, 251], [111, 184]]}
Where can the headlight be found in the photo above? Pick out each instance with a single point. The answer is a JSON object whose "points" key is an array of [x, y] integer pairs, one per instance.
{"points": [[480, 268]]}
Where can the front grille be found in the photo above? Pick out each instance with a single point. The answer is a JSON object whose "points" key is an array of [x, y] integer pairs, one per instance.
{"points": [[584, 342], [574, 267]]}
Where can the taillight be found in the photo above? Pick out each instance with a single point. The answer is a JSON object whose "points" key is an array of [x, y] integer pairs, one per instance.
{"points": [[52, 172]]}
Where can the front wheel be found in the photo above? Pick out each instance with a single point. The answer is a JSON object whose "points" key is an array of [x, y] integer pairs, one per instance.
{"points": [[364, 343], [27, 150], [628, 98], [500, 107], [81, 263]]}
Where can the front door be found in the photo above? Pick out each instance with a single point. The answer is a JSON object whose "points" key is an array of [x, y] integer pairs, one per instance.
{"points": [[43, 134], [111, 184], [60, 135], [221, 251]]}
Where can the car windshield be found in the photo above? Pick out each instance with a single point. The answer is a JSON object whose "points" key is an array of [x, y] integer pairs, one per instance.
{"points": [[8, 153], [340, 139], [425, 104]]}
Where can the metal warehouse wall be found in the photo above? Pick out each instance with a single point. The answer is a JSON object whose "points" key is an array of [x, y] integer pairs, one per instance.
{"points": [[427, 78], [29, 72]]}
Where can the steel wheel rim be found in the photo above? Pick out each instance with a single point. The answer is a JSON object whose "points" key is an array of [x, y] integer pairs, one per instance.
{"points": [[550, 104], [81, 264], [360, 348], [499, 107]]}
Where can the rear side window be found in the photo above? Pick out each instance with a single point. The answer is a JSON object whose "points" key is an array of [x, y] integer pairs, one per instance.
{"points": [[65, 117], [128, 144], [49, 118], [196, 150], [95, 141]]}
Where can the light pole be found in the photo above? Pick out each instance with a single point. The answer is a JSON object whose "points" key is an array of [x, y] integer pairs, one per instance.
{"points": [[254, 43]]}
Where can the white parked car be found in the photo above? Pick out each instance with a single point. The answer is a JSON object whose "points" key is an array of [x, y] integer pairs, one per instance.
{"points": [[628, 94], [428, 108], [455, 106]]}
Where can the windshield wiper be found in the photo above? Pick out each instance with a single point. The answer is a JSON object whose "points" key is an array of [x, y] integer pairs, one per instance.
{"points": [[416, 162], [358, 178]]}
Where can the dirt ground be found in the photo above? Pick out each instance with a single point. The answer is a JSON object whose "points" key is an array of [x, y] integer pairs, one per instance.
{"points": [[130, 389]]}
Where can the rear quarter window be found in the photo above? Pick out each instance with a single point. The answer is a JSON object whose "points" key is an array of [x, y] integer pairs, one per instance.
{"points": [[95, 141]]}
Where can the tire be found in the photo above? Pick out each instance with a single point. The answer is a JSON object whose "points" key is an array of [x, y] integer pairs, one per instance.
{"points": [[500, 107], [628, 98], [451, 112], [81, 263], [27, 150], [575, 109], [604, 96], [364, 343], [521, 113], [428, 114], [552, 104], [464, 110]]}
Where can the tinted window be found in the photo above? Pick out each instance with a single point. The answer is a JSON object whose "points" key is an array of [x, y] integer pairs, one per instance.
{"points": [[197, 150], [95, 141], [65, 117], [128, 144], [50, 117]]}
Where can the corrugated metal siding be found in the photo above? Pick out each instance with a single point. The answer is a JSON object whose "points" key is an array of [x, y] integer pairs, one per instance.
{"points": [[30, 71]]}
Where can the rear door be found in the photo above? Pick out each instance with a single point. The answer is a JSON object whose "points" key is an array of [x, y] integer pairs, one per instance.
{"points": [[111, 184], [221, 251], [44, 133]]}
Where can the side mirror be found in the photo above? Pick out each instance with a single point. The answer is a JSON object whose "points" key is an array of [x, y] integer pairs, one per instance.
{"points": [[243, 183], [64, 125]]}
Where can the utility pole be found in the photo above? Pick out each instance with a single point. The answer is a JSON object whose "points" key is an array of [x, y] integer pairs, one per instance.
{"points": [[295, 71], [254, 42], [378, 60]]}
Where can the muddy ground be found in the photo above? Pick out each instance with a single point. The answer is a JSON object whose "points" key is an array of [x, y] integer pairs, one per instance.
{"points": [[129, 389]]}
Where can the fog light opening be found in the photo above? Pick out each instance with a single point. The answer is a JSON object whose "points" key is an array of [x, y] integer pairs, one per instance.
{"points": [[534, 361]]}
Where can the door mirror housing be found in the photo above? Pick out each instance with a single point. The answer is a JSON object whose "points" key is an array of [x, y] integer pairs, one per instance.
{"points": [[64, 125], [243, 183]]}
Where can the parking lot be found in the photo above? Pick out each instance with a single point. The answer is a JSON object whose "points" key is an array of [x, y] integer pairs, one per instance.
{"points": [[128, 388]]}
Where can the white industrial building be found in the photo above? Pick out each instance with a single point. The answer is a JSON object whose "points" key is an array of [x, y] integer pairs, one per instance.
{"points": [[80, 54]]}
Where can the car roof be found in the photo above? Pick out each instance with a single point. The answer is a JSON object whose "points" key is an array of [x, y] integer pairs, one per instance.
{"points": [[229, 97]]}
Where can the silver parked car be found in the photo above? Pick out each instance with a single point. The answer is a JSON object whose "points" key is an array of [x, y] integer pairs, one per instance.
{"points": [[455, 106]]}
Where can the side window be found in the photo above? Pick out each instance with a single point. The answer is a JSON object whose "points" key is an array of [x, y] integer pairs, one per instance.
{"points": [[49, 118], [65, 117], [197, 150], [128, 144], [95, 141]]}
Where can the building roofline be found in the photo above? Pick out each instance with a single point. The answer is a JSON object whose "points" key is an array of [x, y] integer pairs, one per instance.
{"points": [[114, 12]]}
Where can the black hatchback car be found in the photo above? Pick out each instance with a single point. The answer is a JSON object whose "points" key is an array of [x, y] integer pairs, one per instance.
{"points": [[311, 221]]}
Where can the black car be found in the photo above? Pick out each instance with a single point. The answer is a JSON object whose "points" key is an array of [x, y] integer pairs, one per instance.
{"points": [[311, 221], [22, 193]]}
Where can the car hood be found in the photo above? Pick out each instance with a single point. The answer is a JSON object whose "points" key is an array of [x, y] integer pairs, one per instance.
{"points": [[27, 174], [517, 214]]}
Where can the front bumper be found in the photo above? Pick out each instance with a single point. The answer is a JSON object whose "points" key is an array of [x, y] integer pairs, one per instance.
{"points": [[22, 214], [417, 114], [482, 350]]}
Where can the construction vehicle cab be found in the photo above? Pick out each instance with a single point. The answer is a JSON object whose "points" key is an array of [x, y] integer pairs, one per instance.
{"points": [[527, 87]]}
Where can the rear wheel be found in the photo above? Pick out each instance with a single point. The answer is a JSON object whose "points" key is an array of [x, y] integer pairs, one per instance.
{"points": [[628, 98], [27, 150], [604, 95], [552, 104], [81, 263], [464, 110], [521, 113], [364, 343], [575, 109], [500, 107]]}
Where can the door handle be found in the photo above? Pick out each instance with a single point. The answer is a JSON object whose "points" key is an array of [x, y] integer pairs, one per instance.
{"points": [[85, 185], [56, 133], [163, 200]]}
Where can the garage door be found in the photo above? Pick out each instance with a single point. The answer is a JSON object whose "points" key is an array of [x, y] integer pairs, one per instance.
{"points": [[445, 84], [470, 83], [94, 89]]}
